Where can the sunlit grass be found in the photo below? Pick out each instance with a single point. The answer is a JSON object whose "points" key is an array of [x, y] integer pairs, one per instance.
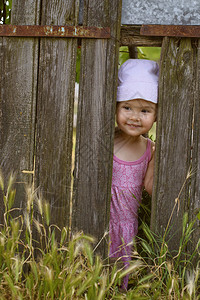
{"points": [[44, 266]]}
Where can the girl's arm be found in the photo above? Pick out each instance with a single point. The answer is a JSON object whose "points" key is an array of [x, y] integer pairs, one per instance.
{"points": [[148, 180]]}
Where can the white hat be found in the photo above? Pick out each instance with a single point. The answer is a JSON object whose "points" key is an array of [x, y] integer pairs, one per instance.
{"points": [[138, 79]]}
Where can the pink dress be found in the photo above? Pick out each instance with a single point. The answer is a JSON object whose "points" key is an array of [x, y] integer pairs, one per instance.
{"points": [[127, 185]]}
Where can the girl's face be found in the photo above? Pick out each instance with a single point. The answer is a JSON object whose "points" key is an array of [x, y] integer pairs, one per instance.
{"points": [[135, 117]]}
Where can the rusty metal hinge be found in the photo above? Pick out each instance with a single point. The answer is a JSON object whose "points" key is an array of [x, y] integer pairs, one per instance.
{"points": [[171, 30], [55, 31]]}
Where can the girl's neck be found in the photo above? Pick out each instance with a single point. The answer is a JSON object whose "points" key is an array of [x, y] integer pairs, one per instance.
{"points": [[129, 148]]}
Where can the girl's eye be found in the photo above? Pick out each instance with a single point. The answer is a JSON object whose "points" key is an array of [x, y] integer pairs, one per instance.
{"points": [[126, 107], [145, 111]]}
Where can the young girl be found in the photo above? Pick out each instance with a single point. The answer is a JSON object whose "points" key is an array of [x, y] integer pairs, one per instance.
{"points": [[133, 158]]}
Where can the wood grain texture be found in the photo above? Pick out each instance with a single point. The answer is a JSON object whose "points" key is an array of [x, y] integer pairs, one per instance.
{"points": [[171, 30], [174, 133], [130, 36], [95, 128], [18, 65], [54, 31], [56, 84], [194, 204]]}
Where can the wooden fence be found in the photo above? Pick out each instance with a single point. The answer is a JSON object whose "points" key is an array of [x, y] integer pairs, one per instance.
{"points": [[177, 167], [36, 117], [37, 107], [177, 139]]}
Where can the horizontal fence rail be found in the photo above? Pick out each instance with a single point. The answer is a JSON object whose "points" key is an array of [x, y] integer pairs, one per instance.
{"points": [[54, 31]]}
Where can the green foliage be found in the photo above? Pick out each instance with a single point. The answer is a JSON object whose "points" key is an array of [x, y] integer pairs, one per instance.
{"points": [[174, 276], [152, 53], [123, 54], [5, 11], [59, 268]]}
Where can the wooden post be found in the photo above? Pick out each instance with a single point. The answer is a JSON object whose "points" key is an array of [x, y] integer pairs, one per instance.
{"points": [[133, 51], [95, 127], [174, 133], [194, 204], [18, 81], [56, 85]]}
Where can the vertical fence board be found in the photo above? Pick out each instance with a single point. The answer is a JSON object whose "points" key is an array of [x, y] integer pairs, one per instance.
{"points": [[95, 127], [56, 84], [18, 65], [194, 207], [174, 131]]}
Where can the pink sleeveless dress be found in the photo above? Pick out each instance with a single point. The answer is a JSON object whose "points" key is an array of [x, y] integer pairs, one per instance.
{"points": [[127, 185]]}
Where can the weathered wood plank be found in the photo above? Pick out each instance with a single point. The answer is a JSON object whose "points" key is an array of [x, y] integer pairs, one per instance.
{"points": [[54, 31], [130, 36], [171, 30], [194, 204], [56, 84], [95, 128], [174, 132], [18, 65]]}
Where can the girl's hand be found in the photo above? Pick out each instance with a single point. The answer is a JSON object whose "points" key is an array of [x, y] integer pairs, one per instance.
{"points": [[153, 150], [148, 180]]}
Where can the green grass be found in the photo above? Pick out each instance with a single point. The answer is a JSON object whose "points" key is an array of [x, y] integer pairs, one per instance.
{"points": [[45, 267]]}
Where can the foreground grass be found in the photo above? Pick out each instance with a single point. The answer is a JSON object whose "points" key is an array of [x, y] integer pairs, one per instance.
{"points": [[47, 268]]}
